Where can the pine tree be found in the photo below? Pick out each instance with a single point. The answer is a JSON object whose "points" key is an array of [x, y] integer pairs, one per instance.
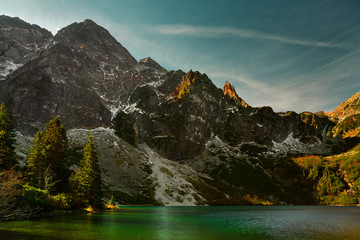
{"points": [[47, 164], [7, 139], [56, 147], [36, 161], [89, 177]]}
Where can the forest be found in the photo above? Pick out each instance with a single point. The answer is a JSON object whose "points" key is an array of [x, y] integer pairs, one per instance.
{"points": [[48, 181]]}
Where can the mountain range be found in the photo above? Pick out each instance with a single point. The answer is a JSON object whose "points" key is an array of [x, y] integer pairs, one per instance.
{"points": [[163, 137]]}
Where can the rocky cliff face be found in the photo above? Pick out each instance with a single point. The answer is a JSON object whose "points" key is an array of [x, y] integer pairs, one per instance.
{"points": [[84, 75], [196, 111], [22, 42], [164, 137]]}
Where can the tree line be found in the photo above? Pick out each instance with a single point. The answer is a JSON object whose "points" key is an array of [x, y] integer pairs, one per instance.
{"points": [[50, 180]]}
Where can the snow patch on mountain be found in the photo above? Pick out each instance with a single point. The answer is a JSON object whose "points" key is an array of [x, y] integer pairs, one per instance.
{"points": [[107, 70], [130, 108], [8, 67], [294, 145]]}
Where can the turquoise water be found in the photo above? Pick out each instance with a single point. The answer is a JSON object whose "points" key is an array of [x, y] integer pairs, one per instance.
{"points": [[257, 222]]}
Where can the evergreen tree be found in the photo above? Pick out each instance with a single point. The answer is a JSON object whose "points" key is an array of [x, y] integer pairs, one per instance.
{"points": [[36, 162], [7, 139], [89, 177], [47, 164]]}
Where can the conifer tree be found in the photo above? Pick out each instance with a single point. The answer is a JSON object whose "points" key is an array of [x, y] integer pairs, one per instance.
{"points": [[7, 139], [36, 161], [46, 159], [89, 177]]}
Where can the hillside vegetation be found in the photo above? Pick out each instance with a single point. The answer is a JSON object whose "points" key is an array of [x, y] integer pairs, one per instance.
{"points": [[336, 179]]}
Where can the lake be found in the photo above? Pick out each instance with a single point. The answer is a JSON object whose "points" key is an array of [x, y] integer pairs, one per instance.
{"points": [[242, 222]]}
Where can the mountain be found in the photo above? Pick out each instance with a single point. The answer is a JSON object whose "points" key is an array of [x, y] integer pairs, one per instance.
{"points": [[347, 108], [84, 75], [163, 137], [347, 117], [178, 124], [26, 41], [229, 90], [150, 63]]}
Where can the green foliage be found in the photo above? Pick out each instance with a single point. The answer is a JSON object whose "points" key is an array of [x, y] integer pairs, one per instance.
{"points": [[66, 201], [336, 179], [314, 172], [7, 139], [345, 199], [46, 163], [61, 200], [112, 202], [313, 120], [329, 183], [36, 162], [179, 199], [37, 197], [347, 125], [89, 177], [350, 165], [356, 188], [329, 131]]}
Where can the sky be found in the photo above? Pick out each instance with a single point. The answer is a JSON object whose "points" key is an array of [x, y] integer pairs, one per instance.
{"points": [[290, 55]]}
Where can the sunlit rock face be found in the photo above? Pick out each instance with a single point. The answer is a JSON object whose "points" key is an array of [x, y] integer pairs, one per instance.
{"points": [[347, 108], [229, 90], [347, 118]]}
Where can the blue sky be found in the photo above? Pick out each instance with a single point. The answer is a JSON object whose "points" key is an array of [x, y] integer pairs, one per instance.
{"points": [[290, 55]]}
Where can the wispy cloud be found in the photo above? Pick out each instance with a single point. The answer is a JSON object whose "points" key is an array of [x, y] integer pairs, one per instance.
{"points": [[281, 97], [316, 90], [221, 32], [308, 91]]}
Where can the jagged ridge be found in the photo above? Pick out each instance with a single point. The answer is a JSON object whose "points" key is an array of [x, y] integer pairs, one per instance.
{"points": [[229, 90], [91, 80]]}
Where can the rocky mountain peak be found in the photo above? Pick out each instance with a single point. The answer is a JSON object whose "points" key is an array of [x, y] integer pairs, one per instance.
{"points": [[15, 22], [229, 90], [95, 40], [83, 76], [347, 108], [184, 87], [22, 42], [151, 63], [87, 31]]}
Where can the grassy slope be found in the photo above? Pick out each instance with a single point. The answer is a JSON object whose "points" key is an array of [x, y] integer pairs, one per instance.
{"points": [[336, 179], [349, 127]]}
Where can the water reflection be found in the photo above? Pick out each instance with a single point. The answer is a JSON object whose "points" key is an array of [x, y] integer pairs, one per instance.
{"points": [[276, 222]]}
